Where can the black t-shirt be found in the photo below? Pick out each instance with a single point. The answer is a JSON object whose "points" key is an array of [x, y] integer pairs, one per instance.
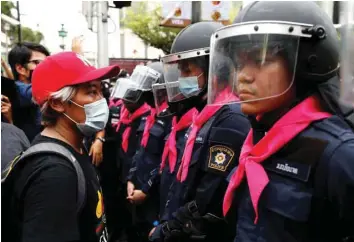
{"points": [[46, 198]]}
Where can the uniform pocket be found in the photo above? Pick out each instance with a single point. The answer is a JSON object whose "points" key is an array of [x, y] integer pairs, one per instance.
{"points": [[288, 198]]}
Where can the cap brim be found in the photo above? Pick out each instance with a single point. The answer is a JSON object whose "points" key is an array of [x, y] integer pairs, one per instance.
{"points": [[99, 74]]}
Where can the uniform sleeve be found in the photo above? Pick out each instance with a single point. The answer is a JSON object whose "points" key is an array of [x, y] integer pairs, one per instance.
{"points": [[49, 204], [225, 142], [341, 188]]}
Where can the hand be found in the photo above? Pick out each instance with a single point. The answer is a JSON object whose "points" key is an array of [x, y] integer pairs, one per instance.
{"points": [[96, 152], [6, 108], [137, 197], [76, 45], [7, 69], [130, 188], [152, 231]]}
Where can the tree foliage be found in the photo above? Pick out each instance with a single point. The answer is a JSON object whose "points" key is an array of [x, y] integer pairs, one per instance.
{"points": [[28, 34], [146, 25]]}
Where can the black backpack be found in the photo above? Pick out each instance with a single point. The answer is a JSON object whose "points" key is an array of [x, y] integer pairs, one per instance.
{"points": [[8, 175]]}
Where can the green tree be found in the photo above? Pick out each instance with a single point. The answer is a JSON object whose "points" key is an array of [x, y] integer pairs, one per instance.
{"points": [[28, 34], [146, 24]]}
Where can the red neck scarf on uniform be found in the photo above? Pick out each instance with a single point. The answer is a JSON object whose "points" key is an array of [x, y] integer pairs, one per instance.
{"points": [[284, 130], [127, 120], [199, 120], [150, 120], [164, 106], [124, 113], [115, 103], [170, 149]]}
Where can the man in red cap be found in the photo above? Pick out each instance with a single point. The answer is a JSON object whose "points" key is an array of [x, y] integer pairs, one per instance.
{"points": [[48, 187]]}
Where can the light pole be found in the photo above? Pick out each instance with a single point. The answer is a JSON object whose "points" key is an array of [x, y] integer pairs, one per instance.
{"points": [[62, 33]]}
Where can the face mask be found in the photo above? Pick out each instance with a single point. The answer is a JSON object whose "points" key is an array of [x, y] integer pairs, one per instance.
{"points": [[96, 117], [189, 85]]}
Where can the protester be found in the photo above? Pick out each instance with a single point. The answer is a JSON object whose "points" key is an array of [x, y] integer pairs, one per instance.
{"points": [[23, 59], [47, 188]]}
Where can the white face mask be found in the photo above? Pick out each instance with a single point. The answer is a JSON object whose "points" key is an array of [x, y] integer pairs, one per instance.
{"points": [[96, 117]]}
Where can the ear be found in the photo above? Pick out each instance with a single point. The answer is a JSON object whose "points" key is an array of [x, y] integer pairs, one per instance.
{"points": [[57, 105], [21, 69]]}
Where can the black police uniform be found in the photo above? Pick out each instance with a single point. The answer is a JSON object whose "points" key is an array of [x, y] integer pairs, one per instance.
{"points": [[124, 162], [194, 206], [310, 204], [167, 178], [144, 172]]}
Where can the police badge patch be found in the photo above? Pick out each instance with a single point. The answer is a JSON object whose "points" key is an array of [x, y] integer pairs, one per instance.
{"points": [[220, 157]]}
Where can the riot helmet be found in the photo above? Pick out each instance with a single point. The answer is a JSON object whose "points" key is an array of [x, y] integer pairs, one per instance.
{"points": [[272, 53], [186, 68]]}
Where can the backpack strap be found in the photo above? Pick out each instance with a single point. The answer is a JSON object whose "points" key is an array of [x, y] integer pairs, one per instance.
{"points": [[59, 150]]}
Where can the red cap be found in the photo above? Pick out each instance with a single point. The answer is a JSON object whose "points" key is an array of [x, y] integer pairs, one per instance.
{"points": [[65, 69]]}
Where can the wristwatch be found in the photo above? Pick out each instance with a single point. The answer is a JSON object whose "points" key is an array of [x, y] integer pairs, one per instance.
{"points": [[102, 139]]}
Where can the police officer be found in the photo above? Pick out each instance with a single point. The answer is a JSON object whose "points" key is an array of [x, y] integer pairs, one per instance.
{"points": [[174, 141], [295, 177], [211, 145], [134, 92], [142, 186]]}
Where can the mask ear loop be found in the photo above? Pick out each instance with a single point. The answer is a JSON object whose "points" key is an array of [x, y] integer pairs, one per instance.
{"points": [[70, 118], [71, 101]]}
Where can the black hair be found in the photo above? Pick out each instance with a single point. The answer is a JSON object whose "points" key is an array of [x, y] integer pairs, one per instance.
{"points": [[123, 73], [21, 54]]}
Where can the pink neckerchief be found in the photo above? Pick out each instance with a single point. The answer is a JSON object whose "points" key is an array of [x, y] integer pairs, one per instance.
{"points": [[113, 103], [170, 149], [150, 120], [127, 120], [124, 113], [199, 120], [163, 106], [284, 130]]}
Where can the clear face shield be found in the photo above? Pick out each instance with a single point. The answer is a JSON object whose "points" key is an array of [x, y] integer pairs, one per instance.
{"points": [[160, 98], [253, 61], [141, 80], [114, 88], [144, 77], [184, 74], [347, 61], [127, 90]]}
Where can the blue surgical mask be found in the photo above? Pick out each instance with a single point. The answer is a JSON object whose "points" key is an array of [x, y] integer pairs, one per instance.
{"points": [[96, 117], [189, 85]]}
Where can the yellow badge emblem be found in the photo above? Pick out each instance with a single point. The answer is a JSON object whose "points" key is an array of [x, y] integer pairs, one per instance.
{"points": [[220, 157]]}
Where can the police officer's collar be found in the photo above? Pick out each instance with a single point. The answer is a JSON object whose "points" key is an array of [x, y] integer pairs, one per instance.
{"points": [[269, 119]]}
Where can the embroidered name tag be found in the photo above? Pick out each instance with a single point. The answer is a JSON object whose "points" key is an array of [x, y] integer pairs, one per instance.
{"points": [[220, 157], [199, 139], [291, 169]]}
